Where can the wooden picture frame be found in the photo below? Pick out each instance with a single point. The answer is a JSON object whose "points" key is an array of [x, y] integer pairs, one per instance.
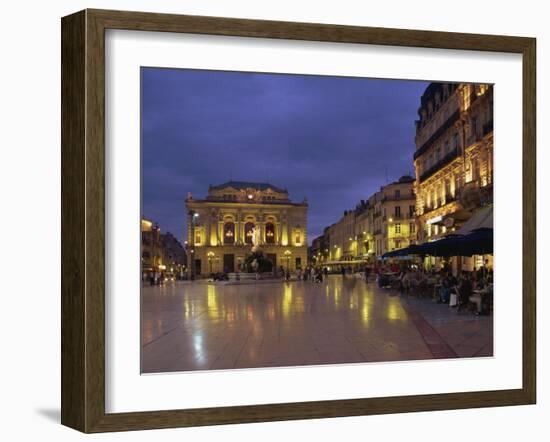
{"points": [[83, 220]]}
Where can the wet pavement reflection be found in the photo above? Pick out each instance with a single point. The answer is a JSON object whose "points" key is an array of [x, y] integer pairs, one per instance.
{"points": [[201, 326]]}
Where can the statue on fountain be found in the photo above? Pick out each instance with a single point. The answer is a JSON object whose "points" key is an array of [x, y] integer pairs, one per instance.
{"points": [[256, 238], [255, 261]]}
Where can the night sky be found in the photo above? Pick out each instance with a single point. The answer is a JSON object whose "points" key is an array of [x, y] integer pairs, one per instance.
{"points": [[330, 139]]}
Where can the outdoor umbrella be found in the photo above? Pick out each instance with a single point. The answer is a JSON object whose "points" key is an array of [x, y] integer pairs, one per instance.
{"points": [[478, 242]]}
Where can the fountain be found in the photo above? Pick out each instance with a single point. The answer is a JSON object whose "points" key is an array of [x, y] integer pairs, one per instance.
{"points": [[255, 261], [255, 264]]}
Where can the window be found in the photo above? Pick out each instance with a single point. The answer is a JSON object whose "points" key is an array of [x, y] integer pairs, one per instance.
{"points": [[297, 239], [398, 211], [397, 228], [411, 211], [270, 233], [456, 141], [397, 243], [397, 193], [412, 228], [474, 127], [197, 238], [475, 169], [229, 233], [298, 263]]}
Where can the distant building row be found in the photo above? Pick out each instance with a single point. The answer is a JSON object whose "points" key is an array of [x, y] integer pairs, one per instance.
{"points": [[386, 221], [453, 165], [160, 252]]}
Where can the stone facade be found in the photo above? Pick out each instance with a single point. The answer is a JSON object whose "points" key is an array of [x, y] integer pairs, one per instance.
{"points": [[151, 246], [454, 155], [384, 222], [219, 227]]}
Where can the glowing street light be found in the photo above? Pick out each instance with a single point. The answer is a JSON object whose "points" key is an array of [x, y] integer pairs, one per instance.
{"points": [[287, 255], [193, 216]]}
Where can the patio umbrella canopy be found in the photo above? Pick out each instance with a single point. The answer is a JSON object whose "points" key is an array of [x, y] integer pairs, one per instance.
{"points": [[478, 242]]}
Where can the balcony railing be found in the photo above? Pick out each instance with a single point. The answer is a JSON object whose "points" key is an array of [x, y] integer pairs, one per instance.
{"points": [[407, 196], [442, 162], [440, 130]]}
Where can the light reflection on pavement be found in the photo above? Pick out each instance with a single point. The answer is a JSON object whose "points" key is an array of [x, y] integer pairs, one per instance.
{"points": [[200, 326]]}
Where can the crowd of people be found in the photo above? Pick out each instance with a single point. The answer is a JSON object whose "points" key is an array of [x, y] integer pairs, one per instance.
{"points": [[462, 291], [310, 273], [154, 277]]}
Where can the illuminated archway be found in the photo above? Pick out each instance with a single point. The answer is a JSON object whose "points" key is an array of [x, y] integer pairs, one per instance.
{"points": [[229, 233], [248, 232], [270, 233]]}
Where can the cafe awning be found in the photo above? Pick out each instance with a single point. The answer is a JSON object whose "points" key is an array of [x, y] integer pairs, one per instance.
{"points": [[480, 219]]}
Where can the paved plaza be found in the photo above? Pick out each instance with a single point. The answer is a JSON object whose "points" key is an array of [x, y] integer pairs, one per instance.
{"points": [[206, 326]]}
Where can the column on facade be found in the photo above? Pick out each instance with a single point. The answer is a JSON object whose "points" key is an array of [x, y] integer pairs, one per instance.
{"points": [[237, 227], [286, 230], [219, 229], [278, 230], [241, 231], [261, 224], [207, 228]]}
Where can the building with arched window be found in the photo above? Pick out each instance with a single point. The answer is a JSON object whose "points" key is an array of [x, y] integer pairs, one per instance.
{"points": [[221, 227]]}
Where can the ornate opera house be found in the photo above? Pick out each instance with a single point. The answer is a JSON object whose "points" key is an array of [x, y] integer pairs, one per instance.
{"points": [[221, 227]]}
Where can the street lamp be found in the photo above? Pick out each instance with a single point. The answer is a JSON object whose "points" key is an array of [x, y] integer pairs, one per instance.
{"points": [[287, 255], [193, 216]]}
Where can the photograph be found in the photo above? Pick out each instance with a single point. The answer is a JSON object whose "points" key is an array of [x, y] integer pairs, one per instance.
{"points": [[299, 220]]}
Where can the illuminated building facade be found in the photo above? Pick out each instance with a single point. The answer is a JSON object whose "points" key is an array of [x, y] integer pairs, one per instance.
{"points": [[394, 216], [384, 222], [151, 246], [220, 228], [454, 155]]}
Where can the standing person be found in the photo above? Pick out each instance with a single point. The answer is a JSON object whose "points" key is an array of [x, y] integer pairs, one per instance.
{"points": [[343, 272], [464, 290], [287, 275], [445, 290]]}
